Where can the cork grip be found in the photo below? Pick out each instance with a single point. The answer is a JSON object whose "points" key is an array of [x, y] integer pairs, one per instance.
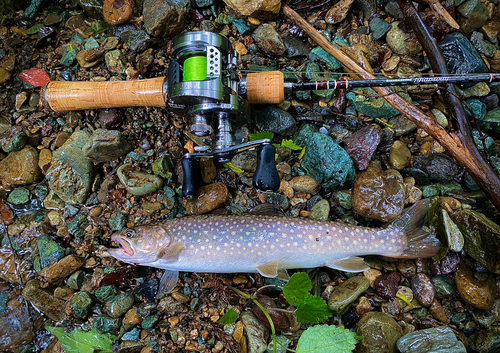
{"points": [[265, 87], [63, 96]]}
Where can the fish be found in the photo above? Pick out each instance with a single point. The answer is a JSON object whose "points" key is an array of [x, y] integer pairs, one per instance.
{"points": [[268, 244]]}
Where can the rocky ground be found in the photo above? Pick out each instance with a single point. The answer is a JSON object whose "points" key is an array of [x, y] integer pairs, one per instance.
{"points": [[68, 179]]}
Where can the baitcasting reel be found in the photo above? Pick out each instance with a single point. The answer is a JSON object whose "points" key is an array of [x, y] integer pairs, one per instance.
{"points": [[202, 80]]}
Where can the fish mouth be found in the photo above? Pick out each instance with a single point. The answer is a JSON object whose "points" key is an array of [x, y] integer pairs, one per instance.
{"points": [[126, 246]]}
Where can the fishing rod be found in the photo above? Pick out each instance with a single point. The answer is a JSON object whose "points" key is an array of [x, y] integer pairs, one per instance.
{"points": [[203, 82]]}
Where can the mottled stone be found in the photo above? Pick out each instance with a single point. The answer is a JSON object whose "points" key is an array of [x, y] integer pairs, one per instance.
{"points": [[378, 194], [119, 305], [105, 146], [51, 306], [486, 340], [263, 9], [268, 40], [79, 305], [138, 183], [327, 162], [49, 250], [57, 271], [70, 175], [423, 289], [436, 339], [164, 18], [256, 333], [438, 166], [361, 145], [320, 210], [399, 155], [273, 119], [402, 42]]}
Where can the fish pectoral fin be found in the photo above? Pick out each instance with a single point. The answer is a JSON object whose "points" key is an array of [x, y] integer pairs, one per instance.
{"points": [[283, 274], [349, 264], [270, 269], [171, 253], [168, 282]]}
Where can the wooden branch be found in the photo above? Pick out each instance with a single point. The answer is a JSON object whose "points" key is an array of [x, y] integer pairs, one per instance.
{"points": [[466, 155]]}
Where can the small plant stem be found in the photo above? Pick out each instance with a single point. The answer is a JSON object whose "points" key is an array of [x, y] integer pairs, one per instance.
{"points": [[264, 310]]}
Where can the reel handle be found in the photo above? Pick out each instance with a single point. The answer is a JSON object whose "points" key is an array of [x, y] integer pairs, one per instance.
{"points": [[61, 96], [190, 177], [266, 175]]}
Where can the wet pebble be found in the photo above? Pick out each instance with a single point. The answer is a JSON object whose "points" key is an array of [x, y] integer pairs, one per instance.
{"points": [[79, 305], [407, 268], [486, 340], [320, 210], [16, 327], [165, 19], [131, 317], [305, 184], [58, 271], [117, 12], [20, 168], [170, 306], [268, 40], [399, 155], [449, 233], [208, 198], [402, 42], [105, 146], [51, 306], [344, 295], [207, 169], [273, 119], [423, 289], [444, 286], [138, 183], [105, 324], [476, 293], [387, 285], [49, 250], [361, 145], [436, 339], [280, 320], [119, 304], [19, 196], [438, 166], [256, 333], [436, 310], [378, 194], [105, 293], [380, 333]]}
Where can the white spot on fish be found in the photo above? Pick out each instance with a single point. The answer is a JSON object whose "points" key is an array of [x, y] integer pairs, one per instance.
{"points": [[352, 234], [191, 246], [355, 242], [295, 243], [259, 253], [365, 240], [339, 242], [217, 248], [382, 241], [272, 246]]}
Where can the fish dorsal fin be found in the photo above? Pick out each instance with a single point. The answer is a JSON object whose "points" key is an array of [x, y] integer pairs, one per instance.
{"points": [[349, 264], [171, 253], [168, 282], [270, 269], [283, 274]]}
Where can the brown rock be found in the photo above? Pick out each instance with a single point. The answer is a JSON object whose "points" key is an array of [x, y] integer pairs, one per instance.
{"points": [[207, 168], [423, 289], [57, 271], [263, 9], [20, 168], [378, 194], [51, 306], [44, 160], [305, 184], [181, 298], [437, 311], [208, 198], [117, 12], [476, 293], [8, 271], [131, 317], [64, 293], [6, 213], [338, 11], [280, 320]]}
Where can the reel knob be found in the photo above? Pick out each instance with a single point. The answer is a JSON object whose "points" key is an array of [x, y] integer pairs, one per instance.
{"points": [[266, 175]]}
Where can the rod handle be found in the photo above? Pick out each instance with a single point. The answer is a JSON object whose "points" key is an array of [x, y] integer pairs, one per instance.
{"points": [[266, 87], [62, 96]]}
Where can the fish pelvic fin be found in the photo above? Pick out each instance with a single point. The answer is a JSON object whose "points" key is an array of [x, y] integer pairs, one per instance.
{"points": [[419, 243], [167, 282], [350, 264], [171, 252], [269, 269]]}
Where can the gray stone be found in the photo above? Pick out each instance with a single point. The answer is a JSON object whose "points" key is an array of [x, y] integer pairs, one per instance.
{"points": [[165, 18], [475, 13], [437, 339], [401, 125], [105, 146], [119, 305], [379, 27], [70, 175], [438, 166], [295, 47], [134, 38], [345, 294], [275, 120], [380, 333]]}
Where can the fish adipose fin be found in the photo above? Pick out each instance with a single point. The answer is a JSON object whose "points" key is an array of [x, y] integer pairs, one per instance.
{"points": [[270, 269], [419, 243], [168, 282], [171, 253], [350, 264]]}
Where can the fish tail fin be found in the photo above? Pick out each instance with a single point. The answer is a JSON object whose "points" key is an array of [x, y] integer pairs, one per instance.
{"points": [[419, 243]]}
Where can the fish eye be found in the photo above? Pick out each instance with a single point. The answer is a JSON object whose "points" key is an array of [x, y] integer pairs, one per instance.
{"points": [[130, 233]]}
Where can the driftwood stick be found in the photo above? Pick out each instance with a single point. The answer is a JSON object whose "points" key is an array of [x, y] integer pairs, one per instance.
{"points": [[467, 156]]}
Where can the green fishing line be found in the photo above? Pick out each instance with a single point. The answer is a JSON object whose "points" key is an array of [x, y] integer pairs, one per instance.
{"points": [[195, 68]]}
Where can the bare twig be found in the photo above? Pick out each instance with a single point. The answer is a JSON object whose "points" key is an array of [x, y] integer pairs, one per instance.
{"points": [[455, 143]]}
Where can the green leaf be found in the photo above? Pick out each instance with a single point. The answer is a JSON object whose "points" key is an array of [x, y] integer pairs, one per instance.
{"points": [[229, 165], [327, 339], [79, 341], [290, 144], [33, 29], [312, 310], [229, 317], [261, 135], [297, 288], [98, 27]]}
